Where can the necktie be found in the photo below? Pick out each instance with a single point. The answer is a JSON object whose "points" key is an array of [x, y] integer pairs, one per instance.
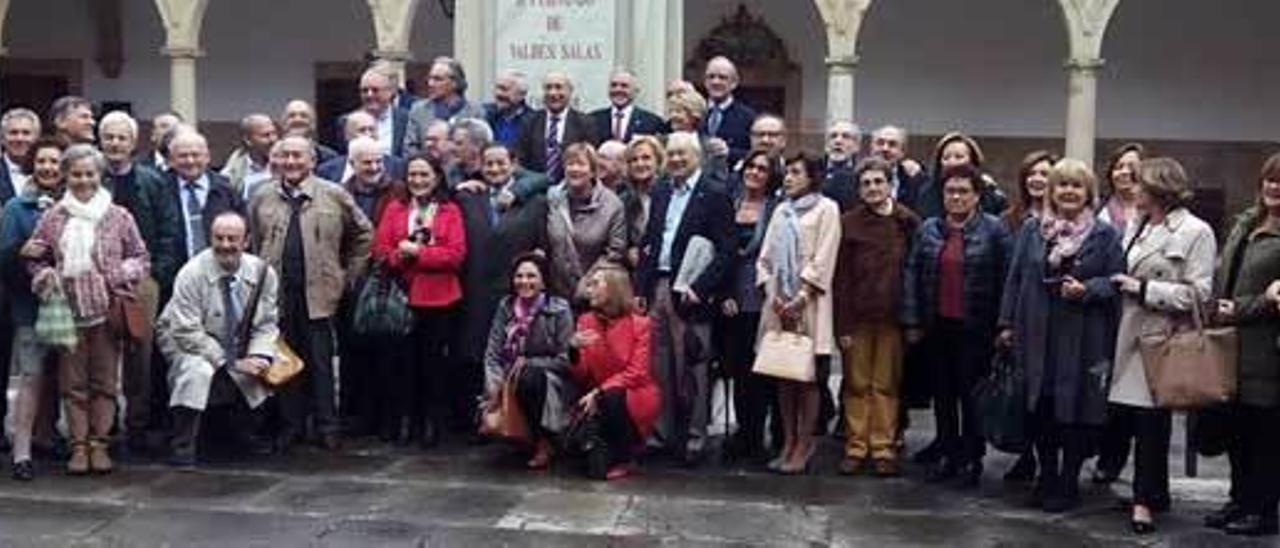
{"points": [[230, 320], [553, 149], [619, 130], [195, 221], [713, 121]]}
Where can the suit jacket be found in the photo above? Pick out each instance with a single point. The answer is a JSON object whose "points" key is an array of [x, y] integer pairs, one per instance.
{"points": [[642, 122], [145, 193], [709, 214], [399, 122], [6, 186], [735, 128], [332, 169], [421, 115], [221, 198], [839, 185], [531, 148]]}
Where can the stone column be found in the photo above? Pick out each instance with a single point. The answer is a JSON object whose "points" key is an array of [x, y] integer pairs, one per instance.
{"points": [[652, 63], [4, 13], [1082, 107], [840, 90], [471, 38], [396, 58], [182, 81]]}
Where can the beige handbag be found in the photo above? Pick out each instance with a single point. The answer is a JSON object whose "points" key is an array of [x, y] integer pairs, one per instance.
{"points": [[1191, 368], [785, 355]]}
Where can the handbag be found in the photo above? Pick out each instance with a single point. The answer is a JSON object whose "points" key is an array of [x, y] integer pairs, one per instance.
{"points": [[785, 355], [506, 420], [55, 326], [127, 319], [286, 365], [1191, 368], [382, 308], [1002, 401], [583, 438]]}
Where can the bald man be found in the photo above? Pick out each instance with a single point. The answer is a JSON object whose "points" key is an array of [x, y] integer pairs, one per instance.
{"points": [[247, 167], [547, 132], [622, 119], [728, 119]]}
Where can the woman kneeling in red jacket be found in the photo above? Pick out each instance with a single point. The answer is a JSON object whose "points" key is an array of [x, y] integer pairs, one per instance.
{"points": [[613, 367]]}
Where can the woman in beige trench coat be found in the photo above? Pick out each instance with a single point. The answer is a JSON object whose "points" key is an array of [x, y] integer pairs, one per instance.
{"points": [[795, 268], [1170, 261]]}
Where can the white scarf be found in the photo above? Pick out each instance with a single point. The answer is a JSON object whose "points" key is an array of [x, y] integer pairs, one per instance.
{"points": [[80, 234]]}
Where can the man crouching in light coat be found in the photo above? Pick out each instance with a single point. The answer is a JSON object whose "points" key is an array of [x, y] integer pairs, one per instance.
{"points": [[208, 364]]}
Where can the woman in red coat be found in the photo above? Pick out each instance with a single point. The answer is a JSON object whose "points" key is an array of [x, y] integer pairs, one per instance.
{"points": [[613, 368], [421, 238]]}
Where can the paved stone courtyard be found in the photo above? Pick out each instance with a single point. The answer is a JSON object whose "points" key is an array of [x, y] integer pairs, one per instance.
{"points": [[374, 495]]}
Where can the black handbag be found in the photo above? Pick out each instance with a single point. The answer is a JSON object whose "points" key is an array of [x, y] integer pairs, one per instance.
{"points": [[583, 437], [1002, 402]]}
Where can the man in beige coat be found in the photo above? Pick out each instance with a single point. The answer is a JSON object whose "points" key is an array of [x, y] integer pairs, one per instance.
{"points": [[315, 235], [198, 334]]}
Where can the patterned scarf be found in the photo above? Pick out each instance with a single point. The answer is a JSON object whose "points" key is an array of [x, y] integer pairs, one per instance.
{"points": [[524, 311], [1064, 237]]}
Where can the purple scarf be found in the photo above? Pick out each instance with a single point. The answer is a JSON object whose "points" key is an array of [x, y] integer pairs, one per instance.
{"points": [[523, 312]]}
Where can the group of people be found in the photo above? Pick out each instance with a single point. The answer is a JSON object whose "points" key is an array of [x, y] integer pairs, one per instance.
{"points": [[591, 272]]}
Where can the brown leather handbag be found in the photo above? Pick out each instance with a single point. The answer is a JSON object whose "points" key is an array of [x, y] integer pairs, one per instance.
{"points": [[284, 367], [1191, 368], [127, 319], [505, 419]]}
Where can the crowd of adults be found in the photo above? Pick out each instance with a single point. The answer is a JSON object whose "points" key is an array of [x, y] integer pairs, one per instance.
{"points": [[576, 282]]}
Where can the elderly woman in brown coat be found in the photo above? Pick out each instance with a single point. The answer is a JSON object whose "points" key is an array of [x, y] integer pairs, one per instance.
{"points": [[1170, 259], [586, 224], [796, 269]]}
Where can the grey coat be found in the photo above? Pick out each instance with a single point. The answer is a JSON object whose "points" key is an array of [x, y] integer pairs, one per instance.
{"points": [[1176, 260], [581, 240], [1064, 347], [546, 348]]}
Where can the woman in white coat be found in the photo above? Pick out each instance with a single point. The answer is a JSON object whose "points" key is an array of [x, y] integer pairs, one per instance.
{"points": [[1170, 261]]}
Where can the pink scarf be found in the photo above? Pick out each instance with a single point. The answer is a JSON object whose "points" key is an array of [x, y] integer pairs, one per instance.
{"points": [[1064, 237], [524, 311]]}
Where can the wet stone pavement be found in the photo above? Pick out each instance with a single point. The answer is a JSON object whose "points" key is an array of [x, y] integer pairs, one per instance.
{"points": [[370, 494]]}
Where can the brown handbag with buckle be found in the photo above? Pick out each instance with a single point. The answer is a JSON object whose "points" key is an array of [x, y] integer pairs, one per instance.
{"points": [[286, 364]]}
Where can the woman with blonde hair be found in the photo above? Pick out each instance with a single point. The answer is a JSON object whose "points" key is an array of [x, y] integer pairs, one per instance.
{"points": [[612, 367]]}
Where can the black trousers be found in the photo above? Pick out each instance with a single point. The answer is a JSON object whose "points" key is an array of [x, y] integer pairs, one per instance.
{"points": [[430, 364], [616, 428], [531, 394], [754, 396], [1060, 448], [1151, 431], [311, 394], [1254, 451], [961, 357], [357, 393], [1116, 440]]}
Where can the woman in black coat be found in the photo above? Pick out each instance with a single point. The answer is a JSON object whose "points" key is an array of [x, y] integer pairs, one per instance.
{"points": [[1059, 315]]}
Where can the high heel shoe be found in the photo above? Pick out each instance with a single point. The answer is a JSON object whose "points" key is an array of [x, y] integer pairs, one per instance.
{"points": [[804, 464], [1142, 526]]}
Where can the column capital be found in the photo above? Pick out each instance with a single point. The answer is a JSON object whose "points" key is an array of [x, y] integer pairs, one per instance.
{"points": [[845, 62], [1085, 64], [182, 52], [395, 55]]}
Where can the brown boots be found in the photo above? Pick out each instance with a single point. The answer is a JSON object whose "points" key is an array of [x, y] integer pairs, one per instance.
{"points": [[89, 457]]}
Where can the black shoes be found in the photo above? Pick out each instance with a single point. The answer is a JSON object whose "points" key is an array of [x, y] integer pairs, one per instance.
{"points": [[931, 454], [1142, 527], [1253, 525], [1023, 471], [1221, 517], [24, 470], [942, 470], [971, 475]]}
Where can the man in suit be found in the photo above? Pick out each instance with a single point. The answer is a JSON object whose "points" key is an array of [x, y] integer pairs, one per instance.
{"points": [[547, 132], [339, 169], [686, 205], [313, 233], [509, 109], [909, 178], [503, 226], [377, 90], [446, 100], [728, 119], [198, 194], [199, 334], [144, 192], [843, 143], [20, 128], [249, 165], [161, 125], [622, 119]]}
